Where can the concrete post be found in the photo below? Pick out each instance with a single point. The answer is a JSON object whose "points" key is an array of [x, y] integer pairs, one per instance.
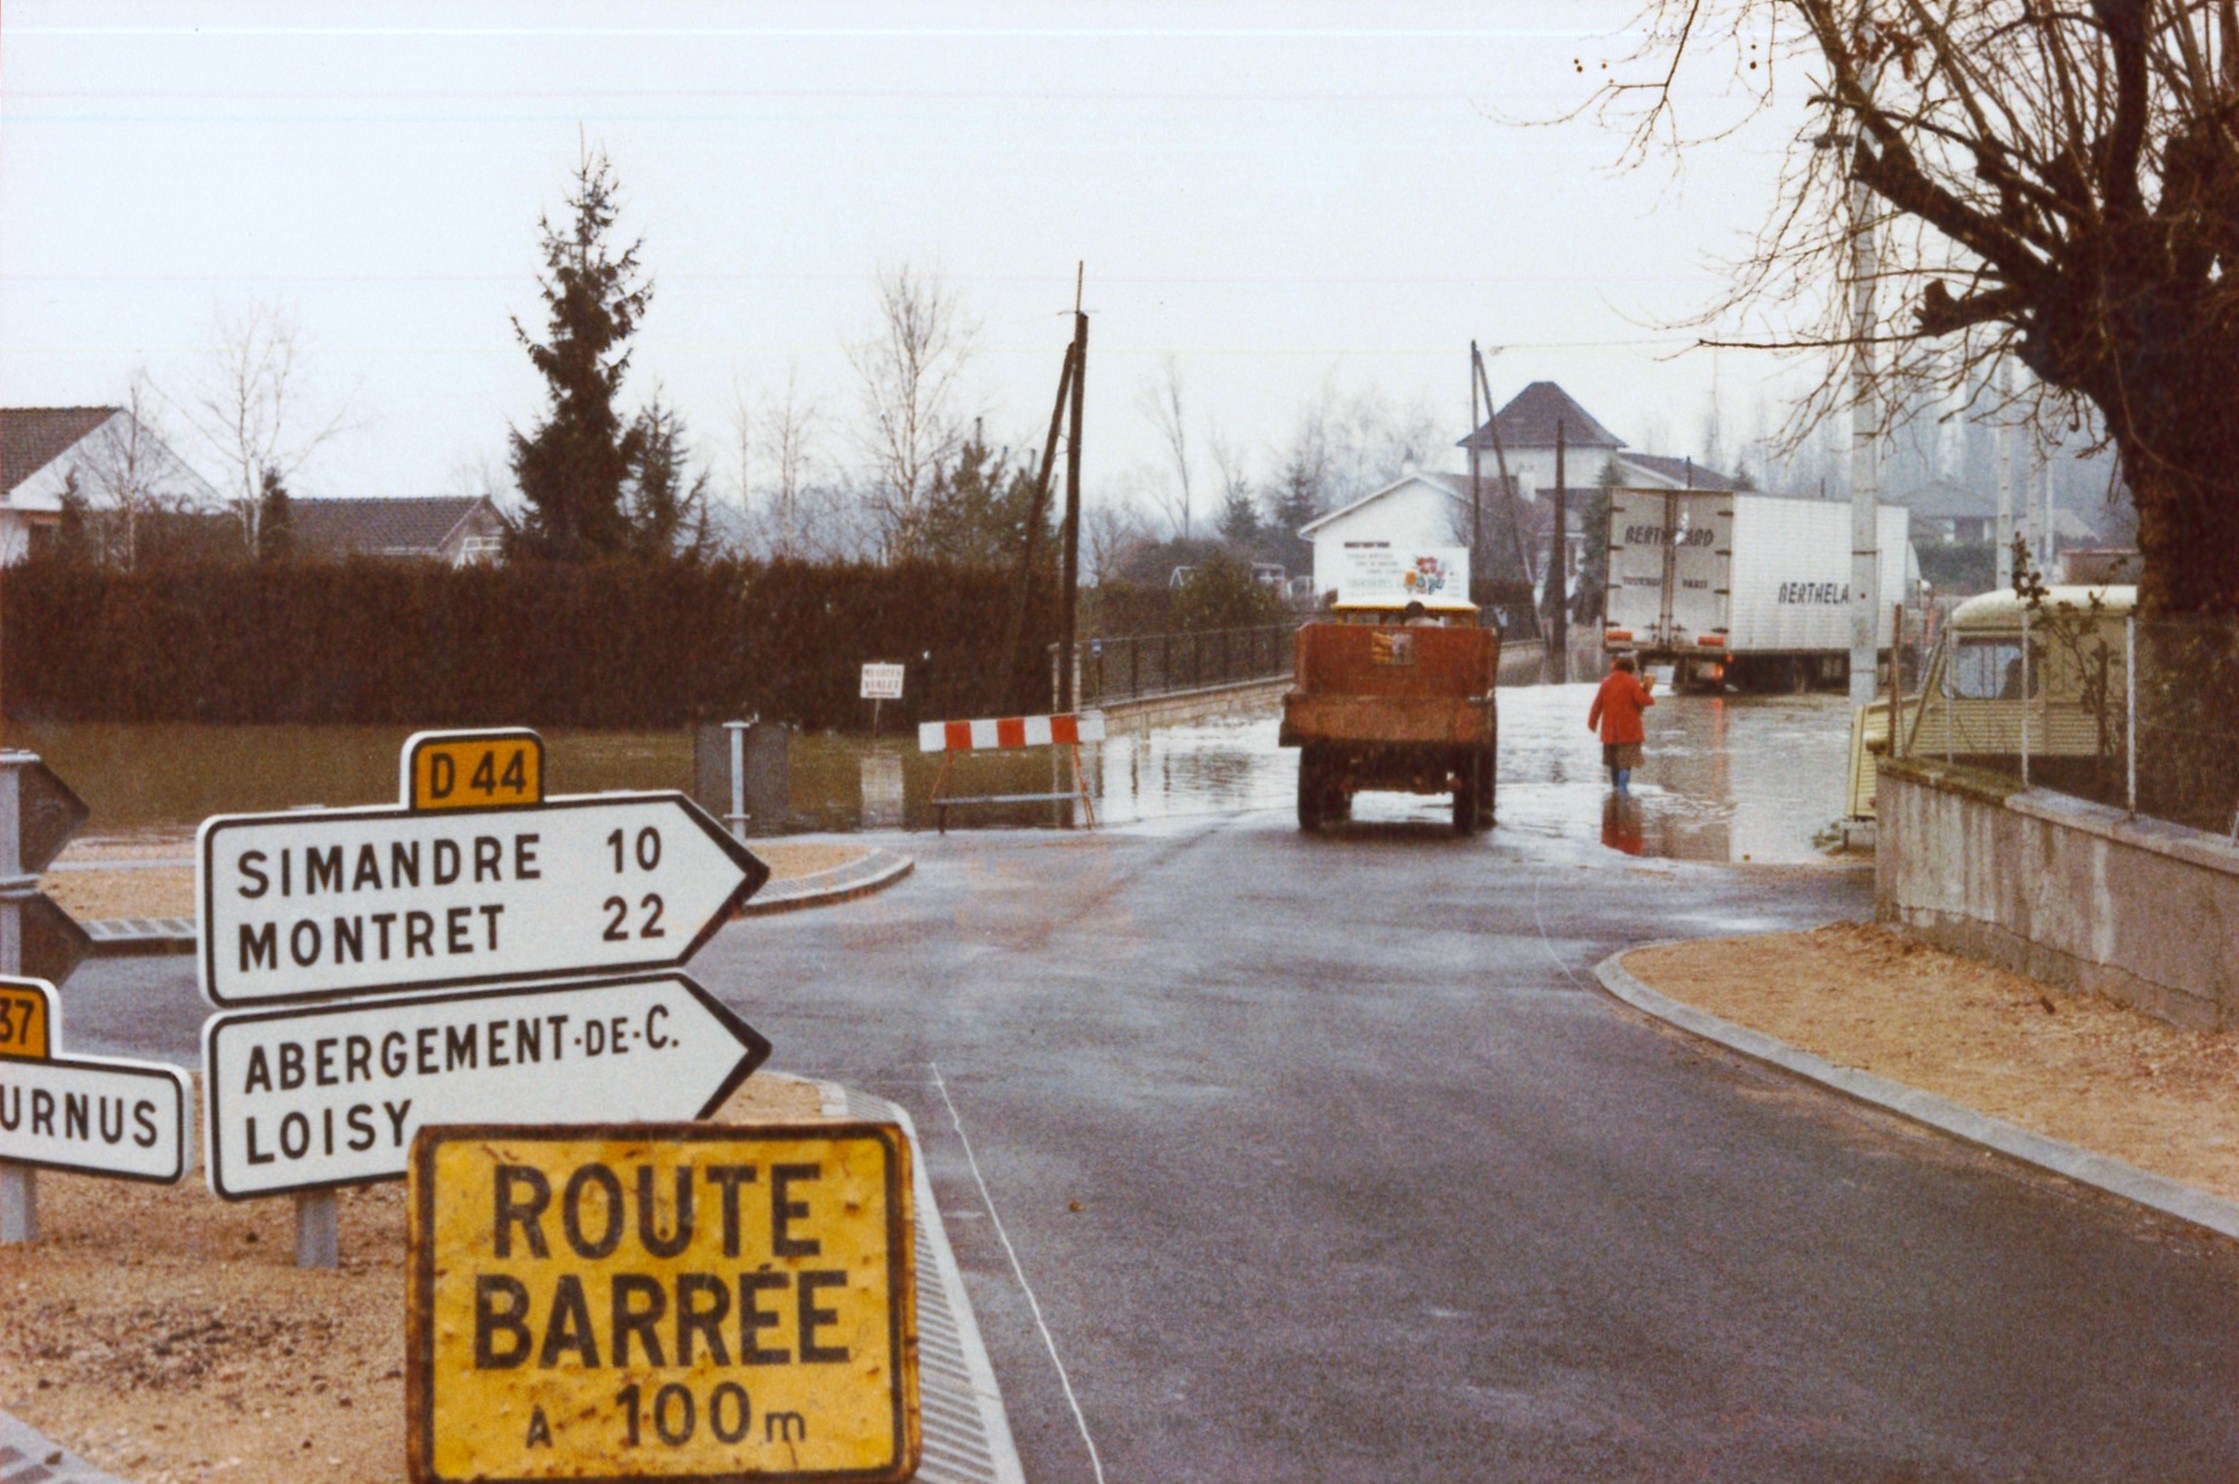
{"points": [[736, 819], [2005, 482], [19, 1184], [2025, 696], [318, 1235], [1865, 472], [2130, 713]]}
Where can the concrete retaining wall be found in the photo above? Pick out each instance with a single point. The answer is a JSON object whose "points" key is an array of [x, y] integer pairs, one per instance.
{"points": [[1247, 697], [2070, 892]]}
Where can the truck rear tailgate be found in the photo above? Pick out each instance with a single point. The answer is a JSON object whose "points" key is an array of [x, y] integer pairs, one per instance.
{"points": [[1409, 720]]}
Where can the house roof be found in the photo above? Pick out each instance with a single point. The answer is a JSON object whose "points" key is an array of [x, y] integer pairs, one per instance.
{"points": [[1528, 421], [1941, 499], [410, 523], [1530, 513], [33, 437], [1684, 473]]}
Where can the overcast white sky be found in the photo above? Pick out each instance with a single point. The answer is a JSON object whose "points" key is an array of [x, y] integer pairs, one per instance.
{"points": [[1272, 193]]}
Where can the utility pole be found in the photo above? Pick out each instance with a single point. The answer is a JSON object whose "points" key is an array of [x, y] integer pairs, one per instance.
{"points": [[1558, 575], [1865, 481], [1476, 491], [1068, 668], [1030, 559], [1500, 460], [2005, 478]]}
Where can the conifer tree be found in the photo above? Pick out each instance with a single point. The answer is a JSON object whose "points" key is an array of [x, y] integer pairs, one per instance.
{"points": [[572, 468], [667, 508], [275, 519]]}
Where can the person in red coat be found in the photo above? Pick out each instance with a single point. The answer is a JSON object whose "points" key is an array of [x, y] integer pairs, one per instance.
{"points": [[1616, 715]]}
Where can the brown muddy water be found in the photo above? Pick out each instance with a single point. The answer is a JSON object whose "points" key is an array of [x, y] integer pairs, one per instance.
{"points": [[1733, 778]]}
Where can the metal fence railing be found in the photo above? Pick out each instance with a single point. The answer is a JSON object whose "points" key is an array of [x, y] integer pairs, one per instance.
{"points": [[2141, 714], [1142, 666]]}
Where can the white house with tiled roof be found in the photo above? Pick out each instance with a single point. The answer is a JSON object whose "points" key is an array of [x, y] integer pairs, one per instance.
{"points": [[108, 455], [1528, 426]]}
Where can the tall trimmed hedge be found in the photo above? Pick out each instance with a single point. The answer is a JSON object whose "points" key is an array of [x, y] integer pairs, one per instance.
{"points": [[625, 645]]}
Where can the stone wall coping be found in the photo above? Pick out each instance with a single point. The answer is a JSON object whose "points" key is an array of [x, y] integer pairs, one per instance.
{"points": [[2159, 837]]}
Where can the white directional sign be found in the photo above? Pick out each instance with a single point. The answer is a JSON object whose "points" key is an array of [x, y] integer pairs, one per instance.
{"points": [[308, 1098], [96, 1117], [333, 903], [882, 682]]}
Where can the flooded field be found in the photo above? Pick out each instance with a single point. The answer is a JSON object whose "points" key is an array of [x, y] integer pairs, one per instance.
{"points": [[1730, 778]]}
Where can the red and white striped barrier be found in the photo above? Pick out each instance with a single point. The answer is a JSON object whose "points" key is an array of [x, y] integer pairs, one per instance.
{"points": [[1010, 731], [949, 738]]}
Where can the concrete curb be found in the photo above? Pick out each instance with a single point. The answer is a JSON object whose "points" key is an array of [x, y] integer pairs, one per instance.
{"points": [[875, 872], [28, 1456], [966, 1430], [2156, 1192]]}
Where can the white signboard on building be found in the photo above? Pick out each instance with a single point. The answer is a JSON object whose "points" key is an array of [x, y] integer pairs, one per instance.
{"points": [[1385, 574]]}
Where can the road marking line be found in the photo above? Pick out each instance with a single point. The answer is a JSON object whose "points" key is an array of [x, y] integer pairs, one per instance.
{"points": [[1049, 1341]]}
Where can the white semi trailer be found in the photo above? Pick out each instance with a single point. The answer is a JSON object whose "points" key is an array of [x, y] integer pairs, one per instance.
{"points": [[1748, 588]]}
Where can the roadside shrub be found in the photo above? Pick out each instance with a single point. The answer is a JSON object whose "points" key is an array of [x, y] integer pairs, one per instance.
{"points": [[609, 645]]}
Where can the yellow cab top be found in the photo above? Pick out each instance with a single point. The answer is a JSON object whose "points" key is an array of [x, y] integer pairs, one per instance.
{"points": [[2001, 611]]}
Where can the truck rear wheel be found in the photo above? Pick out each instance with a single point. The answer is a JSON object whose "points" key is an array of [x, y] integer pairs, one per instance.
{"points": [[1312, 789], [1466, 795]]}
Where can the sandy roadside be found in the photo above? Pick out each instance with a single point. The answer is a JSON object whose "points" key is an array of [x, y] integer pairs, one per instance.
{"points": [[144, 890], [2079, 1068], [168, 1336]]}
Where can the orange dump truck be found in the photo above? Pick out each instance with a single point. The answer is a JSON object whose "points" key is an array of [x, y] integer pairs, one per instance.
{"points": [[1378, 704]]}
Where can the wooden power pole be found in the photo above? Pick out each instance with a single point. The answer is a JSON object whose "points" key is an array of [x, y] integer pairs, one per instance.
{"points": [[1558, 575], [1068, 679], [1030, 565]]}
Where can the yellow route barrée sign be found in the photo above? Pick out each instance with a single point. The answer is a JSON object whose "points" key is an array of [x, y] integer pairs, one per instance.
{"points": [[669, 1302]]}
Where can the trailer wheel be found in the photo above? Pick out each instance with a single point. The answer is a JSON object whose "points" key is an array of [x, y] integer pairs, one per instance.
{"points": [[1465, 796], [1311, 789], [1485, 789]]}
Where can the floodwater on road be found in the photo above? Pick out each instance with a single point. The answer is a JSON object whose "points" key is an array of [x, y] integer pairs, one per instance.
{"points": [[1726, 778]]}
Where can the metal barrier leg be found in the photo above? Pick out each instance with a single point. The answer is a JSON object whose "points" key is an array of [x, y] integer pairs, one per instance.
{"points": [[1080, 786]]}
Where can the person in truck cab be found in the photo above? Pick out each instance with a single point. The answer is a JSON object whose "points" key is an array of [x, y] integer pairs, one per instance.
{"points": [[1616, 715]]}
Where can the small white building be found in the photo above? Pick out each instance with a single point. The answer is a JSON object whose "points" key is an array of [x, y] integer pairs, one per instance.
{"points": [[1419, 511], [111, 458], [1433, 509]]}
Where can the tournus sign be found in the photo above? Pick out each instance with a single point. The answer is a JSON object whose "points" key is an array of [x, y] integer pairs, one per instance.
{"points": [[87, 1115], [679, 1302], [317, 1096]]}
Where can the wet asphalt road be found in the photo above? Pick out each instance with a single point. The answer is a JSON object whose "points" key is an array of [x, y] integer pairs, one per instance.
{"points": [[1375, 1183]]}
